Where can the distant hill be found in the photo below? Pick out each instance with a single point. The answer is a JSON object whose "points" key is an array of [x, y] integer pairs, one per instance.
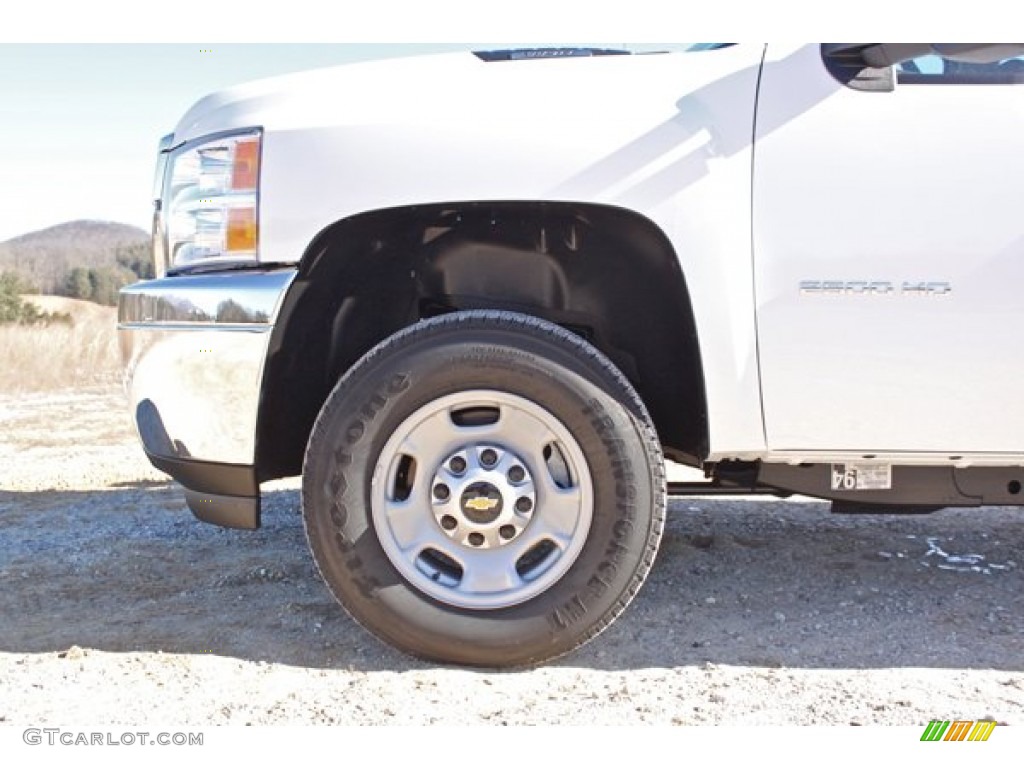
{"points": [[45, 258]]}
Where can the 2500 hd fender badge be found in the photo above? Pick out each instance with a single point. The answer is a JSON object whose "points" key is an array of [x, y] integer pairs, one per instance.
{"points": [[930, 288]]}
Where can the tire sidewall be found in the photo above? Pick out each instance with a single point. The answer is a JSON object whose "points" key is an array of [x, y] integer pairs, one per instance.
{"points": [[439, 360]]}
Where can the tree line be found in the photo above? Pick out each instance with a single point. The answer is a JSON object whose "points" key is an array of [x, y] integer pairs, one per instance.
{"points": [[101, 284], [82, 259], [14, 309], [98, 284]]}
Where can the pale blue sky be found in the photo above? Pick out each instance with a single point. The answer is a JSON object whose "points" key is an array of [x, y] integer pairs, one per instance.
{"points": [[79, 124]]}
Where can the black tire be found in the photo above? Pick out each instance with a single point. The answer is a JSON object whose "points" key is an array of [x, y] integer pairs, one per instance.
{"points": [[539, 374]]}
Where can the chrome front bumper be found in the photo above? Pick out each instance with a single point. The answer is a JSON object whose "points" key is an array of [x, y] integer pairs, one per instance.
{"points": [[193, 349]]}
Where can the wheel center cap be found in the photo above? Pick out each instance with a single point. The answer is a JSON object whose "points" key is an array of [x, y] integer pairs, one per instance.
{"points": [[481, 503]]}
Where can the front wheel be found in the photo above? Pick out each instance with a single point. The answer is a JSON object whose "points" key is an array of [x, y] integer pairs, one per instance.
{"points": [[484, 488]]}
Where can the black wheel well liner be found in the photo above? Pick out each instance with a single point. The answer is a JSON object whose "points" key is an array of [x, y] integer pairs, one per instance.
{"points": [[605, 273]]}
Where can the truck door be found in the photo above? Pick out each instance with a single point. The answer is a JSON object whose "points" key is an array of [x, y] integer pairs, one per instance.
{"points": [[889, 257]]}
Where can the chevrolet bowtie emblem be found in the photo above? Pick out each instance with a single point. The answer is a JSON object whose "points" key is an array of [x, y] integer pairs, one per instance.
{"points": [[481, 503]]}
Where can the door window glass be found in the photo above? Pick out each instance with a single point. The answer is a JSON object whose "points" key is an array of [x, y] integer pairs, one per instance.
{"points": [[929, 70]]}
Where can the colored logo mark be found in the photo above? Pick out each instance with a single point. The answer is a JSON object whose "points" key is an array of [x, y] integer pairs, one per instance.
{"points": [[958, 730], [482, 504]]}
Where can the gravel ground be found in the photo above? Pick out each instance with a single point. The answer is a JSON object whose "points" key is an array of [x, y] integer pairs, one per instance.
{"points": [[118, 608]]}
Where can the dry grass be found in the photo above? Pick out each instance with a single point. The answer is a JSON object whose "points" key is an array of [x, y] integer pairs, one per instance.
{"points": [[60, 356]]}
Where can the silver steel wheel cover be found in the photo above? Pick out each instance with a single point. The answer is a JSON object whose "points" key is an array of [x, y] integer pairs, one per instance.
{"points": [[508, 566]]}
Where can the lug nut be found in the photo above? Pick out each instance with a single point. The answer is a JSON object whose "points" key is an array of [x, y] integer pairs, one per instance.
{"points": [[449, 523], [516, 474], [476, 539], [488, 457], [457, 465], [507, 531], [523, 504], [442, 492]]}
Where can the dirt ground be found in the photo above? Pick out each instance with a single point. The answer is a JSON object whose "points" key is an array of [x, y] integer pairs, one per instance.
{"points": [[118, 608]]}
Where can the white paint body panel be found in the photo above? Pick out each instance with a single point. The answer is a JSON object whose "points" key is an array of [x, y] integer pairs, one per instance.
{"points": [[668, 136], [920, 184]]}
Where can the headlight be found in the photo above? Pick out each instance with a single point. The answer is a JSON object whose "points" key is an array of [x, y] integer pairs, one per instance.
{"points": [[211, 209]]}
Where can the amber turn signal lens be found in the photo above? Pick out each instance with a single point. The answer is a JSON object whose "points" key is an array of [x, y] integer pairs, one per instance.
{"points": [[245, 169], [241, 230]]}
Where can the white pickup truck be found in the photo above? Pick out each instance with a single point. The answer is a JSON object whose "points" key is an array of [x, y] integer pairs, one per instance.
{"points": [[476, 299]]}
